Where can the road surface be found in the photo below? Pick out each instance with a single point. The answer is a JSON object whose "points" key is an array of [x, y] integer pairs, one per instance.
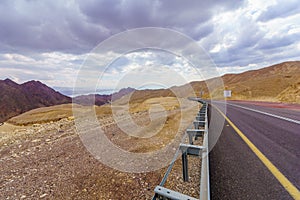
{"points": [[272, 169]]}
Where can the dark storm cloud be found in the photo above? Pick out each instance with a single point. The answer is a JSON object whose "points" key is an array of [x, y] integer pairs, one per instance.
{"points": [[32, 25], [45, 26], [44, 37], [78, 26], [183, 16]]}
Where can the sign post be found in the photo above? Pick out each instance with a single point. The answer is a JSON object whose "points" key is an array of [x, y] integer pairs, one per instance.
{"points": [[201, 93], [227, 93]]}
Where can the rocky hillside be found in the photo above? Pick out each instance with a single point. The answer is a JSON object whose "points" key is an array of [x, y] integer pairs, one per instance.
{"points": [[279, 83], [19, 98]]}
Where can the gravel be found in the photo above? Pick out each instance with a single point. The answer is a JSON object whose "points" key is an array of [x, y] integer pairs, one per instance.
{"points": [[49, 161]]}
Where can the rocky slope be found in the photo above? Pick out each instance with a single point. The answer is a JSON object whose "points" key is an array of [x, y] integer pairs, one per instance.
{"points": [[19, 98], [279, 83]]}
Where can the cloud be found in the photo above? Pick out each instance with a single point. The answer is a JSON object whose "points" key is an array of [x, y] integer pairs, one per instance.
{"points": [[282, 8], [49, 40], [242, 39], [136, 68], [36, 26], [78, 26], [52, 68], [279, 41]]}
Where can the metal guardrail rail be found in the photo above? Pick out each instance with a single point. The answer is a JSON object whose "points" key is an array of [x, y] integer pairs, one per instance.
{"points": [[201, 120]]}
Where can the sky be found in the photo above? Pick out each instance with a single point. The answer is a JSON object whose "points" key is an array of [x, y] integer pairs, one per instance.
{"points": [[51, 40]]}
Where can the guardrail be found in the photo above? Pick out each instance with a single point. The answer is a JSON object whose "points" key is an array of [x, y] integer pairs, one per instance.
{"points": [[200, 130]]}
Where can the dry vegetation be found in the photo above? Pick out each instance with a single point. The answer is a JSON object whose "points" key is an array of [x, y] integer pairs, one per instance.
{"points": [[277, 83], [290, 94], [41, 156], [43, 115]]}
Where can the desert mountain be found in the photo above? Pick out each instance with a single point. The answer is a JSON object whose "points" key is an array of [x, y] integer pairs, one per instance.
{"points": [[280, 82], [98, 99], [19, 98]]}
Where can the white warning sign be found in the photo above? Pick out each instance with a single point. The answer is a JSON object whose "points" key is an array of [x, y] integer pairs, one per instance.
{"points": [[227, 93]]}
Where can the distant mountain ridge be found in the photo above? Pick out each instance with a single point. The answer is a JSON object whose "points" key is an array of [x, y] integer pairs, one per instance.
{"points": [[280, 82], [100, 99], [18, 98]]}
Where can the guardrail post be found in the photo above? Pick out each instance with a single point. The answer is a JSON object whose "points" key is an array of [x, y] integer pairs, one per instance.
{"points": [[201, 118], [185, 167], [197, 124], [194, 133]]}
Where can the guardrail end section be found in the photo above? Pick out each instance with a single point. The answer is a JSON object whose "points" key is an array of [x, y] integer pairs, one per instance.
{"points": [[164, 193]]}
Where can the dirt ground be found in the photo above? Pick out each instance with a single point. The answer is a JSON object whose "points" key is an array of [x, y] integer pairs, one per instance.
{"points": [[49, 161]]}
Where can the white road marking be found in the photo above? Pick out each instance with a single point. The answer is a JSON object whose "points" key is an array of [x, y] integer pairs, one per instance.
{"points": [[265, 113]]}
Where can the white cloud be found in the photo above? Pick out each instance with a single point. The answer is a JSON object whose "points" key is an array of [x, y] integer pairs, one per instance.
{"points": [[137, 68], [54, 69], [238, 36], [237, 69]]}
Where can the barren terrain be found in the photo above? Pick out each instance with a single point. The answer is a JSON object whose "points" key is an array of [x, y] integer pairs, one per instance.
{"points": [[42, 156], [276, 83]]}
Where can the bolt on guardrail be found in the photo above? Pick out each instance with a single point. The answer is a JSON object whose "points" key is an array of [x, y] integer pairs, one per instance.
{"points": [[200, 130]]}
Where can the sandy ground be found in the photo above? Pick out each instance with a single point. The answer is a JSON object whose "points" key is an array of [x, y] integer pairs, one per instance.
{"points": [[49, 161]]}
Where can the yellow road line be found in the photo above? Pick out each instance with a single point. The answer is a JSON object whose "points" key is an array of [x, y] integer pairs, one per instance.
{"points": [[292, 190]]}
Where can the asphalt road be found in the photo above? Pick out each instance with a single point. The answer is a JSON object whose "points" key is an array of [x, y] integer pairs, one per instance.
{"points": [[236, 172]]}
